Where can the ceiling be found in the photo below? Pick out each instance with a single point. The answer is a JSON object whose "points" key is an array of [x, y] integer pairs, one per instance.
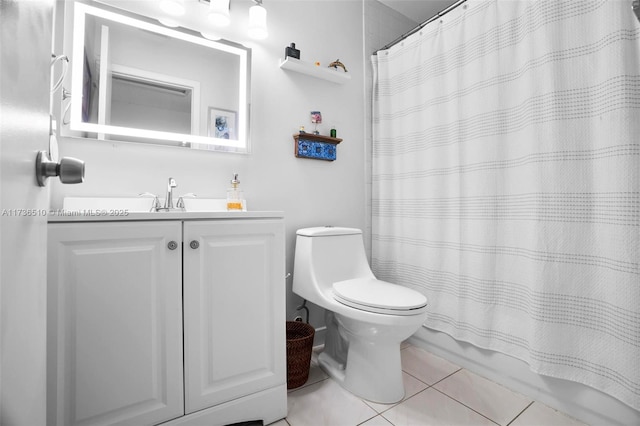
{"points": [[416, 10], [419, 10]]}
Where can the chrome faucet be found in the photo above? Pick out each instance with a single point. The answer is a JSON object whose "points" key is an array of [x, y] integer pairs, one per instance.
{"points": [[180, 203], [168, 201], [155, 206]]}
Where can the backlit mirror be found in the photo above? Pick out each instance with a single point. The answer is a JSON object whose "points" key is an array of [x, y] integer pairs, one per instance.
{"points": [[136, 81]]}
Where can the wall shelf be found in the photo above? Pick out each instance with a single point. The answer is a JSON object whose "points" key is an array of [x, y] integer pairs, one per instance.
{"points": [[324, 73]]}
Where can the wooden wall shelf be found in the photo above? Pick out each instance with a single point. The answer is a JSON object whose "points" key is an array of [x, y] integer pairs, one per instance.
{"points": [[323, 73], [317, 147]]}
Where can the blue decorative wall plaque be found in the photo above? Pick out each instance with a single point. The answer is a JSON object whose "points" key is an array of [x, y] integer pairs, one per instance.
{"points": [[313, 149], [316, 146]]}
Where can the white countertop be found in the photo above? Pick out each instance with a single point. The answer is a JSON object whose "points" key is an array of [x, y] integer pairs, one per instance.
{"points": [[119, 215]]}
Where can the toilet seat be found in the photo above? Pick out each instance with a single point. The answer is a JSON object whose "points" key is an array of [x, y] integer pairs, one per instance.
{"points": [[370, 294]]}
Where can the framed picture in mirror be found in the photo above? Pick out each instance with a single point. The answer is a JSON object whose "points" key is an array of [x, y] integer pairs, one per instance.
{"points": [[222, 123]]}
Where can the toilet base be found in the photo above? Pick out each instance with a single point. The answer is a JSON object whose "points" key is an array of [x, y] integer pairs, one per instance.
{"points": [[374, 378], [373, 371]]}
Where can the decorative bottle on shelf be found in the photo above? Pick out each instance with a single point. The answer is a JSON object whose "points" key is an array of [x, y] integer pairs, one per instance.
{"points": [[235, 197]]}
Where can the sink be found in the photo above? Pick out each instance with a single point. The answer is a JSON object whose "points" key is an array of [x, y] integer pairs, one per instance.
{"points": [[128, 204]]}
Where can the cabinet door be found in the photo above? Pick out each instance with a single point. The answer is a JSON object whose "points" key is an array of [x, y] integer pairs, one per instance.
{"points": [[114, 323], [234, 291]]}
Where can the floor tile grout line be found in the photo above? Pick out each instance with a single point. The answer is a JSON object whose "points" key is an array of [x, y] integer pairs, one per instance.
{"points": [[421, 381], [370, 418], [305, 386], [393, 424], [386, 409], [435, 383], [397, 403], [401, 402], [520, 413], [465, 405], [445, 378], [418, 393]]}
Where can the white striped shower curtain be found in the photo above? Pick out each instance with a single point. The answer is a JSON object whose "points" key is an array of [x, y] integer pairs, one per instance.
{"points": [[506, 182]]}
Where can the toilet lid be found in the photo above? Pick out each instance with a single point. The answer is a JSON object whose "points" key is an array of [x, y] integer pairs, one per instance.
{"points": [[374, 295]]}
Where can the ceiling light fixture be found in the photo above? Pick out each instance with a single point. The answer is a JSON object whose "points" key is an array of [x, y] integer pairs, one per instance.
{"points": [[258, 21], [219, 16], [219, 13], [173, 7]]}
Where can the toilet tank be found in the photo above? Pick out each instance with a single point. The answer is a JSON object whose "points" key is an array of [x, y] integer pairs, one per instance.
{"points": [[325, 255]]}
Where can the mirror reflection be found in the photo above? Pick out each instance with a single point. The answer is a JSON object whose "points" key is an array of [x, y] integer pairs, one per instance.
{"points": [[142, 82]]}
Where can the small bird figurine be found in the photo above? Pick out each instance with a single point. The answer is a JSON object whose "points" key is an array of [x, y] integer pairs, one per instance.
{"points": [[335, 64]]}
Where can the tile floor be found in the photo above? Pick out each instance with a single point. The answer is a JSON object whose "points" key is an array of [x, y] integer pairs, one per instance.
{"points": [[437, 393]]}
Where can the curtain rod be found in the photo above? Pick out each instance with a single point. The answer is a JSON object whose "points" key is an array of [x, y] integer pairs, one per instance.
{"points": [[419, 27]]}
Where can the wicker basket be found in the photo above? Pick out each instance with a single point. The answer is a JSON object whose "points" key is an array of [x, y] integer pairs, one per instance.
{"points": [[299, 348]]}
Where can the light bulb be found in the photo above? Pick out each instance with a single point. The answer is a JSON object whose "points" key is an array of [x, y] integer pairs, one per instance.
{"points": [[172, 7], [219, 13], [168, 22], [210, 36], [258, 22]]}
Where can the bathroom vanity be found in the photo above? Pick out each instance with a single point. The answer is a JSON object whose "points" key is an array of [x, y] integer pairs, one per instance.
{"points": [[166, 317]]}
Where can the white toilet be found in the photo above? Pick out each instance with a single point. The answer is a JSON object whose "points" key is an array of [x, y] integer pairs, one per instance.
{"points": [[366, 318]]}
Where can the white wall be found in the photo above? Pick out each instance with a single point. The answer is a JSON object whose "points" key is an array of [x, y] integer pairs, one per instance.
{"points": [[310, 192]]}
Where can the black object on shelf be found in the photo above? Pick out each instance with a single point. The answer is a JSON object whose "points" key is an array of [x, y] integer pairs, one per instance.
{"points": [[292, 52]]}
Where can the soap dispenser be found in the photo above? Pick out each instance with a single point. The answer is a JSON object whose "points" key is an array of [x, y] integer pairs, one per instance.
{"points": [[235, 197]]}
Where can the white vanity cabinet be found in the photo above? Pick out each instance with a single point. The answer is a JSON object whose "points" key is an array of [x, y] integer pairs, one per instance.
{"points": [[114, 323], [177, 321], [234, 335]]}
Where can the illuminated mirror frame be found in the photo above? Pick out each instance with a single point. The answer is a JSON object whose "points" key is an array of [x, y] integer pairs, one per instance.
{"points": [[76, 123]]}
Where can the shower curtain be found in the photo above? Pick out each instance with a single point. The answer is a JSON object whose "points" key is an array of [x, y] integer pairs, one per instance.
{"points": [[506, 182]]}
